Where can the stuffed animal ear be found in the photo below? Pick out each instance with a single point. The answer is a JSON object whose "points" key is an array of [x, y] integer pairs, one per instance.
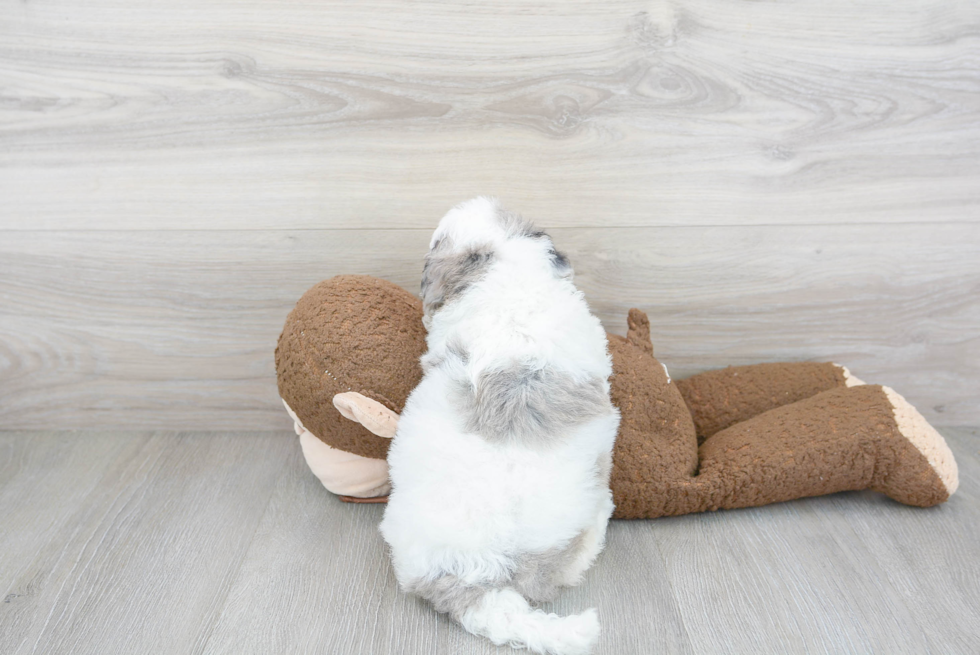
{"points": [[370, 413], [638, 333]]}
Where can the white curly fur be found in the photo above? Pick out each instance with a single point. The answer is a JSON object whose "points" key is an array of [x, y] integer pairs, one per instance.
{"points": [[471, 521]]}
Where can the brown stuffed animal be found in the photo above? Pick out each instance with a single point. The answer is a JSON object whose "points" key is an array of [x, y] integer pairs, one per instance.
{"points": [[347, 359], [349, 356]]}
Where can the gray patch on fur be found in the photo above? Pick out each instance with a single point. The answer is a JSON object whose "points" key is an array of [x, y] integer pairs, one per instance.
{"points": [[454, 349], [560, 263], [448, 594], [604, 468], [446, 275], [430, 360], [528, 405], [539, 575], [517, 226]]}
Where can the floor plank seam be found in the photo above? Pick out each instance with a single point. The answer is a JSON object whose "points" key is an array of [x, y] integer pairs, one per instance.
{"points": [[233, 579]]}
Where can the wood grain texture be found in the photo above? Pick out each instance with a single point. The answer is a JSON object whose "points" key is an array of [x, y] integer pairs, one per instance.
{"points": [[333, 588], [44, 481], [820, 593], [176, 329], [340, 596], [191, 114], [226, 543], [946, 575], [143, 557], [769, 181]]}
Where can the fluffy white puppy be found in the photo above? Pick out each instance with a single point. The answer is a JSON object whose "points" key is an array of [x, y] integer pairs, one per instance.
{"points": [[500, 465]]}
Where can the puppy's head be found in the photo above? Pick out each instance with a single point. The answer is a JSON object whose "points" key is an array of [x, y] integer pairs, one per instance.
{"points": [[470, 239]]}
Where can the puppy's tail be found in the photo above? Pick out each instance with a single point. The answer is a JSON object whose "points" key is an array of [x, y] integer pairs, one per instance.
{"points": [[503, 616]]}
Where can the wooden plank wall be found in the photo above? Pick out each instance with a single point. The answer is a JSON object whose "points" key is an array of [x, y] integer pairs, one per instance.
{"points": [[770, 181]]}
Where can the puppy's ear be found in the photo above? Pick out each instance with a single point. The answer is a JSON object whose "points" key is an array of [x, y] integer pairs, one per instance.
{"points": [[560, 263], [447, 273], [433, 286]]}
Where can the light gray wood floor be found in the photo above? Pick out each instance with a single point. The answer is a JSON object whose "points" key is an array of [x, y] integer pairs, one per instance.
{"points": [[166, 542]]}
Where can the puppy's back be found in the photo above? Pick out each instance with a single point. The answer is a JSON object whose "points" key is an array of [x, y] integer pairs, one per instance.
{"points": [[500, 464]]}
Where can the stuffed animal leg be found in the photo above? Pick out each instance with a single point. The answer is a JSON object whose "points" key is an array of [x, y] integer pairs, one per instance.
{"points": [[840, 438], [850, 438], [843, 439], [719, 399]]}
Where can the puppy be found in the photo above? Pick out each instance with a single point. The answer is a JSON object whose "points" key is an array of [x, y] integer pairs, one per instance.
{"points": [[500, 465]]}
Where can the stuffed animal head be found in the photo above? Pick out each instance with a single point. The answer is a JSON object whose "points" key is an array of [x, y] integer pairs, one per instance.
{"points": [[347, 358]]}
